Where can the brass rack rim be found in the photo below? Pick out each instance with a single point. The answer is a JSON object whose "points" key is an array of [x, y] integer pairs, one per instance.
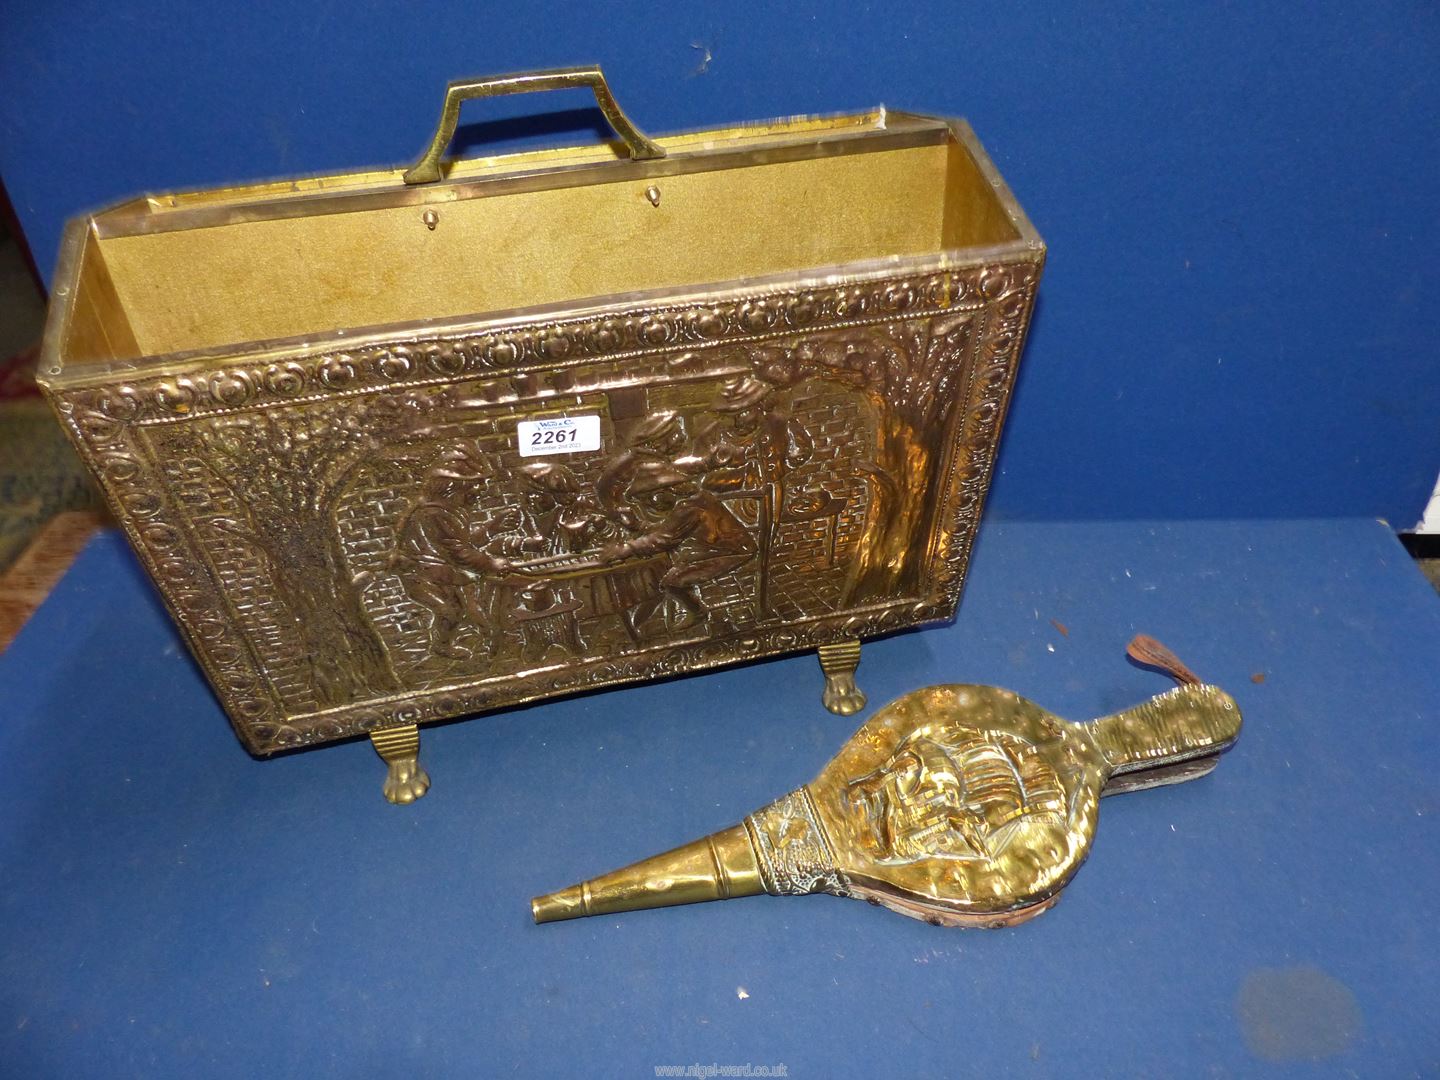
{"points": [[86, 229], [148, 213], [54, 374]]}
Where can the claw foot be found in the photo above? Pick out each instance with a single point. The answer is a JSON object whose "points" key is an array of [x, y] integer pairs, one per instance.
{"points": [[841, 695], [399, 748], [839, 661], [406, 781]]}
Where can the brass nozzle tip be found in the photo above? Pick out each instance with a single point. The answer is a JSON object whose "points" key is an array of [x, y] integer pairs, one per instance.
{"points": [[557, 906]]}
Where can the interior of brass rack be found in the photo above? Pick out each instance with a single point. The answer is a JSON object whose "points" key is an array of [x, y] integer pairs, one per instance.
{"points": [[267, 262]]}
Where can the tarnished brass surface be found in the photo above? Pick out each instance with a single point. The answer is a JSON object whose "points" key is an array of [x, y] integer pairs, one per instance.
{"points": [[959, 805], [302, 399]]}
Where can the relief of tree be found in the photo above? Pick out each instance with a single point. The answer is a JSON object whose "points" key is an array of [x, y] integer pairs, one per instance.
{"points": [[288, 469], [911, 373]]}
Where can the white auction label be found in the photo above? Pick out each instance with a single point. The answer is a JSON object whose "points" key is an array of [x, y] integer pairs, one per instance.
{"points": [[561, 435]]}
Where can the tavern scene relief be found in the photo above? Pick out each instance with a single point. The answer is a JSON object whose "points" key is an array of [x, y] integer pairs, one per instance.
{"points": [[398, 540], [711, 507]]}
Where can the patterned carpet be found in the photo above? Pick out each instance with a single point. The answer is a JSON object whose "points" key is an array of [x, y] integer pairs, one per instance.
{"points": [[48, 508], [40, 476]]}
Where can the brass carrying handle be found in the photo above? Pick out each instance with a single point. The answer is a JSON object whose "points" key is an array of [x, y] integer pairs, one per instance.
{"points": [[427, 169]]}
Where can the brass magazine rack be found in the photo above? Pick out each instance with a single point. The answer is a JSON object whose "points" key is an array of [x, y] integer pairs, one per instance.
{"points": [[397, 446]]}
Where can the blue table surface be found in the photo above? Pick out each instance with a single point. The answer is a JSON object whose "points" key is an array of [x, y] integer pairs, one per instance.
{"points": [[173, 907]]}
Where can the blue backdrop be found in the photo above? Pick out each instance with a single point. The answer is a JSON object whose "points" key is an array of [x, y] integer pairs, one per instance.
{"points": [[1241, 309]]}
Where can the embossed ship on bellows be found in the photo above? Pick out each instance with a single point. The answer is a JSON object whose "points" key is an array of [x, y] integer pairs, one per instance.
{"points": [[955, 793], [358, 476]]}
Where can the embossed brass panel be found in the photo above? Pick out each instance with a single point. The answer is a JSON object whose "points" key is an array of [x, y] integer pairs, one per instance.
{"points": [[303, 400]]}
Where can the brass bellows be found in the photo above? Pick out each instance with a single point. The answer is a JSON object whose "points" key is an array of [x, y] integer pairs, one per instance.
{"points": [[958, 805]]}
